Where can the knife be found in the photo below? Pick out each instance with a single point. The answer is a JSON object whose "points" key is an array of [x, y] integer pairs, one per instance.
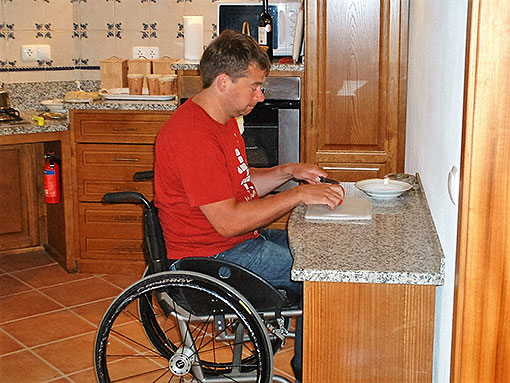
{"points": [[326, 180]]}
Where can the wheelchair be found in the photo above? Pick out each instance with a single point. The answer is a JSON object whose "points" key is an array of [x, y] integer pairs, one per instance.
{"points": [[198, 320]]}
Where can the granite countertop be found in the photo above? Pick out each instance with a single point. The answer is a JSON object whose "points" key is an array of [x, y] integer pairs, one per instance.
{"points": [[399, 245], [123, 105], [276, 67], [26, 126]]}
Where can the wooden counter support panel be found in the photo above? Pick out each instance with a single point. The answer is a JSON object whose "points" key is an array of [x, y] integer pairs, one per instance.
{"points": [[355, 332]]}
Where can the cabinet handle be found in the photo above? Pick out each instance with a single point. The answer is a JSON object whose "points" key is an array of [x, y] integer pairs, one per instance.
{"points": [[126, 218], [123, 129], [311, 113], [252, 147], [128, 248], [123, 188], [120, 159]]}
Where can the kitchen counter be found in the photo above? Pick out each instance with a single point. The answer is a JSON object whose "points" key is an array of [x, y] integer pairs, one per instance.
{"points": [[398, 245], [276, 67], [368, 292], [26, 126]]}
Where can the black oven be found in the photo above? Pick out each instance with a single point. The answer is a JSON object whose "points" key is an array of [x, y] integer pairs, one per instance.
{"points": [[272, 129]]}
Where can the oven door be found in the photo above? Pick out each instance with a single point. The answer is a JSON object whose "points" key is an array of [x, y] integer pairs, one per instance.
{"points": [[271, 135]]}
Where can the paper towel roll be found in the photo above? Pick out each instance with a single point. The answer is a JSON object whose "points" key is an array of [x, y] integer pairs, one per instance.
{"points": [[193, 37]]}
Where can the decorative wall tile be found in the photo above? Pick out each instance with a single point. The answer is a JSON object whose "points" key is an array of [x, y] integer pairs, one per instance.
{"points": [[60, 14], [43, 31], [96, 47], [80, 30], [83, 32], [24, 14], [7, 31], [96, 14], [114, 30], [63, 49], [149, 30]]}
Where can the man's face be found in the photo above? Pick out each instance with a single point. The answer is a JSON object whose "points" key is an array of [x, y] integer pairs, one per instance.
{"points": [[247, 91]]}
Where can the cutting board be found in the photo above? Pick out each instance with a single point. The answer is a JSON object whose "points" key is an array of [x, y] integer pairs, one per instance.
{"points": [[353, 207]]}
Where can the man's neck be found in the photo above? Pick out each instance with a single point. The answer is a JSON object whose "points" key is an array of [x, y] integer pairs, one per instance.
{"points": [[211, 103]]}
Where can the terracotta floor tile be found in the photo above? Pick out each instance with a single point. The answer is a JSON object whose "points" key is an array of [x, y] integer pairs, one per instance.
{"points": [[93, 312], [282, 362], [7, 344], [82, 291], [23, 367], [14, 262], [48, 275], [47, 327], [122, 281], [9, 285], [25, 304], [78, 351], [86, 376]]}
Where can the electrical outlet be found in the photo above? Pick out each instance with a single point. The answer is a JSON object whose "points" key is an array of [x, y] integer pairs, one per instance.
{"points": [[35, 52], [145, 52]]}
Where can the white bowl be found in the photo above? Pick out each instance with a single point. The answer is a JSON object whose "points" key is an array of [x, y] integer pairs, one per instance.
{"points": [[379, 188], [56, 105]]}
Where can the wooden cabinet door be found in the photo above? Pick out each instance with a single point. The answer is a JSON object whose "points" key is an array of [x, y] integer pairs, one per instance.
{"points": [[19, 225], [355, 86]]}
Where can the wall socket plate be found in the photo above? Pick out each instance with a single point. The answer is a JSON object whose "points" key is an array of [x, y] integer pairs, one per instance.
{"points": [[145, 53], [35, 52]]}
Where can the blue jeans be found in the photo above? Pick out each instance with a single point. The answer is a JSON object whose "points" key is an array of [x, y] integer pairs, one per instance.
{"points": [[269, 256]]}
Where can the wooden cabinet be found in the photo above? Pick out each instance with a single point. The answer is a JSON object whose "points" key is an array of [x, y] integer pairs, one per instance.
{"points": [[19, 197], [109, 147], [355, 87]]}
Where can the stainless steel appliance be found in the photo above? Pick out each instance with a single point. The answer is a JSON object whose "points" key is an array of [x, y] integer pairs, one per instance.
{"points": [[233, 14], [272, 130]]}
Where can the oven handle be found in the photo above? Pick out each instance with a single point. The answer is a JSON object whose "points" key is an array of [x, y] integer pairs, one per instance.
{"points": [[280, 104]]}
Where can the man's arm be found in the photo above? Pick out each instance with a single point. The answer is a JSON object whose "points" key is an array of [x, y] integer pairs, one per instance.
{"points": [[268, 179], [231, 218]]}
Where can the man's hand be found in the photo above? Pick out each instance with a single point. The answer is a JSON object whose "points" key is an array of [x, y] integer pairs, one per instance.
{"points": [[321, 194], [306, 172]]}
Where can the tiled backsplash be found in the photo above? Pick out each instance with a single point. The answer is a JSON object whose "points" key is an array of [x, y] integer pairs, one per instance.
{"points": [[80, 33]]}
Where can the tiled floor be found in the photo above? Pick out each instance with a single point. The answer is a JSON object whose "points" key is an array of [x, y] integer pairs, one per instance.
{"points": [[48, 320]]}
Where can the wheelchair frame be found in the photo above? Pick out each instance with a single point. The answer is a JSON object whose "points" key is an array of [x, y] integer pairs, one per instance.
{"points": [[209, 321]]}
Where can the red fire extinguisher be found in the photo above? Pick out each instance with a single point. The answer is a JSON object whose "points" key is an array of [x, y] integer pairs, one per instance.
{"points": [[51, 179]]}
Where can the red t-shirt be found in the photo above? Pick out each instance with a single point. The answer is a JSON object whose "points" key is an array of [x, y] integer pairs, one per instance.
{"points": [[198, 161]]}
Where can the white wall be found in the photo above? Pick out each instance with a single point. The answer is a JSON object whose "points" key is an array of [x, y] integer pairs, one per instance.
{"points": [[437, 41]]}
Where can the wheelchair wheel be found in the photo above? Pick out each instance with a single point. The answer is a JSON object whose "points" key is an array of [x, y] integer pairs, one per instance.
{"points": [[150, 313], [200, 328]]}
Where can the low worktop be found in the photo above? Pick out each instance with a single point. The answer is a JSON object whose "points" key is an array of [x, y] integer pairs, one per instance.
{"points": [[399, 245], [27, 126]]}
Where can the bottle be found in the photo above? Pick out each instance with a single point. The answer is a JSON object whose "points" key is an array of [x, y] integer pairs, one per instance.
{"points": [[265, 29]]}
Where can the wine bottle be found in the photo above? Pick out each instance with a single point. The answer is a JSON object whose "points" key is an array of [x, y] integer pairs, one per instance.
{"points": [[265, 29]]}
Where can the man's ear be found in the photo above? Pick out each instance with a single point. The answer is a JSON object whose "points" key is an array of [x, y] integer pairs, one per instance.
{"points": [[222, 82]]}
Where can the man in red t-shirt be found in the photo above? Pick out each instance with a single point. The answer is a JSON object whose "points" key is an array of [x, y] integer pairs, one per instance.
{"points": [[210, 201]]}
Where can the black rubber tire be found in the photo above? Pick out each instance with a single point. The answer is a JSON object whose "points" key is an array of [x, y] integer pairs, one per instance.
{"points": [[122, 350]]}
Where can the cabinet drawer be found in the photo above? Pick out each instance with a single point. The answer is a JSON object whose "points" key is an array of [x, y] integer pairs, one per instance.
{"points": [[116, 127], [110, 168], [111, 231], [353, 172]]}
